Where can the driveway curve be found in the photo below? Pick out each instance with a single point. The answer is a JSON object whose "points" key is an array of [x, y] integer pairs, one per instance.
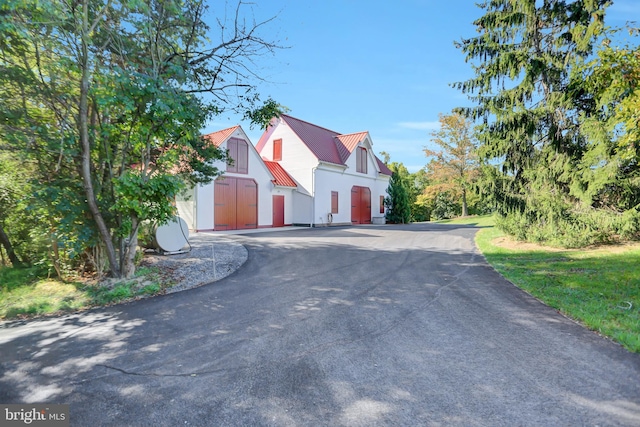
{"points": [[359, 326]]}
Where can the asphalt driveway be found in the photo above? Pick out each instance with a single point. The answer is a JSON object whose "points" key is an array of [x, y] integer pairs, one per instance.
{"points": [[362, 326]]}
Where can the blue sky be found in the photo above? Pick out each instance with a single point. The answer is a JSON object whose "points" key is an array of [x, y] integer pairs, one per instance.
{"points": [[368, 65]]}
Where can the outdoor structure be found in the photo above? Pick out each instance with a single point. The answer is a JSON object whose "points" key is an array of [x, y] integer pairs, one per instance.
{"points": [[340, 180], [298, 174], [251, 193]]}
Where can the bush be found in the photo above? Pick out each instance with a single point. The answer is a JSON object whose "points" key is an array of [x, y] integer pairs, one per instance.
{"points": [[445, 206], [572, 229]]}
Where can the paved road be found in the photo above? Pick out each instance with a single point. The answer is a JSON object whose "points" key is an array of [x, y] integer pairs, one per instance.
{"points": [[354, 326]]}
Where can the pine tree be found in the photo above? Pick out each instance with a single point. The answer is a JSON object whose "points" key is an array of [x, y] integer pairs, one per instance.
{"points": [[398, 206], [528, 103]]}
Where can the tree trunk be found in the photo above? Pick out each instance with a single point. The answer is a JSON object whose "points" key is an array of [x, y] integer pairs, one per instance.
{"points": [[4, 240], [129, 252], [465, 212], [83, 123]]}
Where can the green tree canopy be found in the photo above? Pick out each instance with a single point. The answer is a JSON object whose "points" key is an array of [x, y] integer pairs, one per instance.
{"points": [[108, 99], [456, 166]]}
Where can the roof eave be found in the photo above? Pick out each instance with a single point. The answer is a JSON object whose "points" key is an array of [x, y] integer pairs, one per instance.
{"points": [[323, 162]]}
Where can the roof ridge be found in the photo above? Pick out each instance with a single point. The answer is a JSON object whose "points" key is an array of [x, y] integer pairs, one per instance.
{"points": [[309, 123], [353, 133], [222, 130]]}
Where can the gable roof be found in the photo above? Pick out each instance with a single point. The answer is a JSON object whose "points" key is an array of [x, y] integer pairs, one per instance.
{"points": [[281, 177], [321, 141], [383, 168], [326, 145], [347, 143], [218, 137]]}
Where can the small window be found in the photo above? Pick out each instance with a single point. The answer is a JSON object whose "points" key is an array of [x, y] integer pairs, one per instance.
{"points": [[277, 150], [381, 204], [334, 202], [238, 155], [361, 160]]}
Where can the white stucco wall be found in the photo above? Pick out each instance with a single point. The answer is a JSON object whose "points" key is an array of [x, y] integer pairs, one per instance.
{"points": [[302, 208], [204, 207], [287, 192], [186, 205]]}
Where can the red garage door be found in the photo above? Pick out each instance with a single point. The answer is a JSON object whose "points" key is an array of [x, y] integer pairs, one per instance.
{"points": [[235, 204], [360, 205]]}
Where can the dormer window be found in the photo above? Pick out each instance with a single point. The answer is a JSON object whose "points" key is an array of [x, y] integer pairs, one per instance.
{"points": [[361, 160]]}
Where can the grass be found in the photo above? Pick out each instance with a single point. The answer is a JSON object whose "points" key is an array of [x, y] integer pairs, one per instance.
{"points": [[599, 287], [27, 292]]}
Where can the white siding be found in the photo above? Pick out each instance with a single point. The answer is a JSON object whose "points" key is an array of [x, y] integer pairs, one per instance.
{"points": [[302, 208], [297, 159], [326, 182], [319, 180]]}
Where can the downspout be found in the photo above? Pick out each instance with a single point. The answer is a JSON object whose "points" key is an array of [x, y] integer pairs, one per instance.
{"points": [[313, 195]]}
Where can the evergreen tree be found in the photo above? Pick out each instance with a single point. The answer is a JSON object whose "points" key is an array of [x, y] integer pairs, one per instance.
{"points": [[397, 203], [531, 98]]}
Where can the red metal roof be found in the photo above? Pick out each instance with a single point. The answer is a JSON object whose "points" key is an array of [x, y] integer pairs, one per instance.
{"points": [[327, 145], [320, 141], [347, 143], [282, 178], [383, 168], [217, 138]]}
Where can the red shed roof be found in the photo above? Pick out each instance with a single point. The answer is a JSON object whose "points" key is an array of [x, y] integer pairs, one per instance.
{"points": [[282, 178], [217, 138]]}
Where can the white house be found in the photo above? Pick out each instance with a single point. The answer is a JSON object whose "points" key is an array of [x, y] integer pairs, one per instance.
{"points": [[251, 193], [339, 178]]}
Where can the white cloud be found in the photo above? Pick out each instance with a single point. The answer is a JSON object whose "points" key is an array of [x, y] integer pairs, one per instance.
{"points": [[420, 125]]}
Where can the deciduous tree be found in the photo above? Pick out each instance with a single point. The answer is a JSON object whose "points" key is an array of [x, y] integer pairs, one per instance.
{"points": [[456, 166], [109, 97]]}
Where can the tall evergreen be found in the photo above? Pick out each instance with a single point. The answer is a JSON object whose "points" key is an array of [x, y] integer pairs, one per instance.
{"points": [[398, 206], [530, 99]]}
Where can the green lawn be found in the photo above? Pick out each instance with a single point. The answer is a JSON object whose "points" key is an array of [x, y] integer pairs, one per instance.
{"points": [[27, 292], [599, 287]]}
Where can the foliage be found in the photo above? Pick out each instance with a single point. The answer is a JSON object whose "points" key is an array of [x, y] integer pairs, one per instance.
{"points": [[106, 100], [454, 168], [29, 292], [413, 184], [553, 133], [397, 202], [445, 206], [609, 171]]}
